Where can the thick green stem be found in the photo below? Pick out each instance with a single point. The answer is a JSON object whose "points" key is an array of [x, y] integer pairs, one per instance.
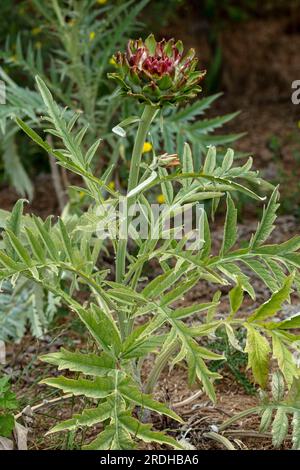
{"points": [[145, 122], [143, 129]]}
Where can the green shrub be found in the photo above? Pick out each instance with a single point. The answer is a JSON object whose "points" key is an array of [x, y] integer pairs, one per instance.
{"points": [[8, 402], [130, 316]]}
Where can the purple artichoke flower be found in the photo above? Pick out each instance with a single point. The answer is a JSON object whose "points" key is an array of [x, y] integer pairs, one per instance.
{"points": [[157, 73]]}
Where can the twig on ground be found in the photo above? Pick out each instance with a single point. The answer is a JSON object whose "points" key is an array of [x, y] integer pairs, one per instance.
{"points": [[220, 439], [29, 410], [188, 400]]}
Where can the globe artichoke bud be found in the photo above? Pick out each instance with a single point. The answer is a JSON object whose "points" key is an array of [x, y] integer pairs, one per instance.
{"points": [[157, 73], [168, 160]]}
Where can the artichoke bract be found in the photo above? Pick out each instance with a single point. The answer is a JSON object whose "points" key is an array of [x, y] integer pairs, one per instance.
{"points": [[157, 73]]}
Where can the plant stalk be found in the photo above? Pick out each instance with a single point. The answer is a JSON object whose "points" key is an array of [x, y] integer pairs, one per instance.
{"points": [[238, 417], [143, 129], [144, 125]]}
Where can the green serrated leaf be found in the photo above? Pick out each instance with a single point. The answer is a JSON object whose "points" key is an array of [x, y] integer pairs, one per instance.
{"points": [[230, 228], [187, 165], [279, 427], [277, 386], [102, 327], [266, 226], [98, 388], [236, 297], [210, 161], [89, 364], [274, 304], [258, 350], [296, 430], [266, 420], [144, 432], [286, 361], [89, 417], [113, 437]]}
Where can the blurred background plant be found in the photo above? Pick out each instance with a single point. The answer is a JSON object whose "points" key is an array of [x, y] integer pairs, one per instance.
{"points": [[25, 305], [70, 45]]}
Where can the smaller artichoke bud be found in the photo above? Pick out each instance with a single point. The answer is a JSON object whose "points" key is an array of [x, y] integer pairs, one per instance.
{"points": [[157, 73], [168, 160]]}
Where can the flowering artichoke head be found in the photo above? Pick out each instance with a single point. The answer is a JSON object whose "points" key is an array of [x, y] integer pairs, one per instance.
{"points": [[157, 73]]}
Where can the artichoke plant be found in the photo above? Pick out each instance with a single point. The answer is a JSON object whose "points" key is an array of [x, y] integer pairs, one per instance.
{"points": [[157, 73]]}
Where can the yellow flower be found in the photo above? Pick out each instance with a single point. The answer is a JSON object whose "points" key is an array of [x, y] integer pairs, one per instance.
{"points": [[101, 2], [160, 199], [298, 123], [81, 194], [112, 61], [38, 45], [111, 185], [147, 147], [35, 31], [92, 35]]}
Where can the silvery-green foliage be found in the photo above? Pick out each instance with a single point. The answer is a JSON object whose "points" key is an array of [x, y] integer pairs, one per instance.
{"points": [[187, 124], [131, 318], [25, 305], [279, 413], [84, 35]]}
